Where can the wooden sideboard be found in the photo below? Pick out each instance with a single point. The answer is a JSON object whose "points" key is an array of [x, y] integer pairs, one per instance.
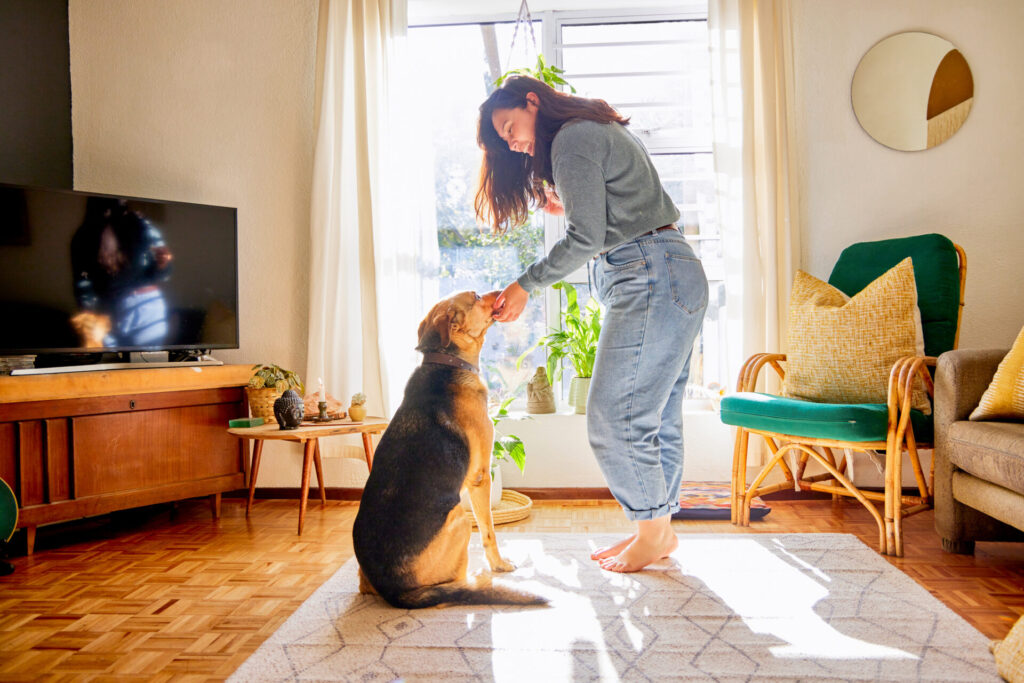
{"points": [[88, 443]]}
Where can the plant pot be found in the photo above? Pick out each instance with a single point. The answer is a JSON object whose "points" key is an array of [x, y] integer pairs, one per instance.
{"points": [[261, 402], [357, 412], [579, 387]]}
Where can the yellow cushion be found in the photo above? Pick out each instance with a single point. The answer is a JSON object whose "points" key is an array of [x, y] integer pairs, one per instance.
{"points": [[1010, 654], [1004, 398], [841, 350]]}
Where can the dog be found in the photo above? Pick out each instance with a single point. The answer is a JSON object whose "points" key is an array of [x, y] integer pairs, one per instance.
{"points": [[92, 328], [411, 534]]}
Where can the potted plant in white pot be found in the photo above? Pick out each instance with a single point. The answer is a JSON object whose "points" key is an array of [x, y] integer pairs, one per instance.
{"points": [[577, 341]]}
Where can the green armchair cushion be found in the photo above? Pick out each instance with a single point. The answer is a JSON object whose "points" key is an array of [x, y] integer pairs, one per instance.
{"points": [[838, 421], [936, 272]]}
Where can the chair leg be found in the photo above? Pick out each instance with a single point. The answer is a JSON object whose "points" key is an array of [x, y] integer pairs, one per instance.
{"points": [[777, 455], [893, 493], [832, 459], [915, 461], [739, 473]]}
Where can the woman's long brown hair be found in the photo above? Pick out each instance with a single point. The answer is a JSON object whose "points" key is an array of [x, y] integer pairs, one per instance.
{"points": [[510, 180]]}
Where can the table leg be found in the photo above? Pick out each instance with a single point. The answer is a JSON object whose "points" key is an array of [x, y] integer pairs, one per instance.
{"points": [[319, 472], [215, 505], [307, 465], [254, 469], [368, 448]]}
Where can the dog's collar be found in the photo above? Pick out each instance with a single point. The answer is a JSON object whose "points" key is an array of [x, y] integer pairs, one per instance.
{"points": [[448, 359]]}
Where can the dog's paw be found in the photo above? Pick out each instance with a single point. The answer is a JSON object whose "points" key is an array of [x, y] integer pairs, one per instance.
{"points": [[502, 565]]}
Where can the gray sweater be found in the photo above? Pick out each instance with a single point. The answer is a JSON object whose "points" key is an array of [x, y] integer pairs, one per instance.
{"points": [[611, 194]]}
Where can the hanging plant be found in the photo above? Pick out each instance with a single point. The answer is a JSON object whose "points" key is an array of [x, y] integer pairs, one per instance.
{"points": [[542, 71]]}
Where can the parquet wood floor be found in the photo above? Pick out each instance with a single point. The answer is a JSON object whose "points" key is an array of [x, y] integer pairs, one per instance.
{"points": [[168, 594]]}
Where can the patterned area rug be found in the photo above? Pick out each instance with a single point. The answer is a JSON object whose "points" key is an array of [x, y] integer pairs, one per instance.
{"points": [[729, 607]]}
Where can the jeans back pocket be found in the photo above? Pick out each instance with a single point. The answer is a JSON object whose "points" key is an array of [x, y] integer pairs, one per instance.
{"points": [[689, 284]]}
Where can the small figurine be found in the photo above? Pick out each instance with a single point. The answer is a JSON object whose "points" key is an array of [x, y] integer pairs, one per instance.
{"points": [[540, 397], [288, 410]]}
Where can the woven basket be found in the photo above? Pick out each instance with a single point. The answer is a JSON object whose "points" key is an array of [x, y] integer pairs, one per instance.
{"points": [[261, 402], [513, 507]]}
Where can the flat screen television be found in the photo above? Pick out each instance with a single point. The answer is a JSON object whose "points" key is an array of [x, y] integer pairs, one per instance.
{"points": [[85, 273]]}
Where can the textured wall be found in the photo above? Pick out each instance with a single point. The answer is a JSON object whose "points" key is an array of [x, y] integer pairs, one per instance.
{"points": [[210, 101], [967, 188]]}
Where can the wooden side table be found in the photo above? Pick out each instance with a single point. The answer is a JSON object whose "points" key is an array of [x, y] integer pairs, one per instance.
{"points": [[309, 436]]}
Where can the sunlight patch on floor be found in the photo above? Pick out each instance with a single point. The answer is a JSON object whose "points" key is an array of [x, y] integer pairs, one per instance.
{"points": [[780, 602]]}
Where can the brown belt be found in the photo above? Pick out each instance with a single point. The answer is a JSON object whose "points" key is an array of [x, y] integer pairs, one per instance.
{"points": [[670, 226]]}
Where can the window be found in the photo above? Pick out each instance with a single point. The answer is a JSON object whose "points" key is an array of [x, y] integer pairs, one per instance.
{"points": [[652, 68]]}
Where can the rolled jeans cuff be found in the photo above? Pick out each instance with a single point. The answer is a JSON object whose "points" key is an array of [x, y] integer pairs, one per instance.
{"points": [[653, 513]]}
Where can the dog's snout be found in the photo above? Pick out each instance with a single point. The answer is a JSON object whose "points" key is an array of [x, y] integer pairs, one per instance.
{"points": [[490, 297]]}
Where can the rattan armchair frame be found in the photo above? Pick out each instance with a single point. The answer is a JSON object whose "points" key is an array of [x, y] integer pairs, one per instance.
{"points": [[899, 438]]}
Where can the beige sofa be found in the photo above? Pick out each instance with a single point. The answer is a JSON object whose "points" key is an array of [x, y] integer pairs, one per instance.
{"points": [[979, 466]]}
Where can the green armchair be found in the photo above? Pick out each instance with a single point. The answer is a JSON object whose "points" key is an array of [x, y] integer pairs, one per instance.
{"points": [[816, 430]]}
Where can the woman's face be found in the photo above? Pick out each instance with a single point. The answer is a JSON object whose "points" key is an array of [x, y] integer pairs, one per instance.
{"points": [[516, 125]]}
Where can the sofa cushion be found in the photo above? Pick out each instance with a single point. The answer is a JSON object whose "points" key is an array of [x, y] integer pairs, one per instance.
{"points": [[993, 451], [1004, 398]]}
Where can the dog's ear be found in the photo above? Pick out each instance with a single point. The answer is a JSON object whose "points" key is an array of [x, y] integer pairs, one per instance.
{"points": [[435, 330]]}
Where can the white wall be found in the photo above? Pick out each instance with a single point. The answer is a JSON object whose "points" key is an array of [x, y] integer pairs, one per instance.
{"points": [[855, 189], [213, 101], [210, 101], [969, 188], [558, 454]]}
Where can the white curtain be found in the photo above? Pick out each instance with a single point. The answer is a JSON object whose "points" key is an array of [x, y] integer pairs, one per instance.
{"points": [[374, 254], [755, 150]]}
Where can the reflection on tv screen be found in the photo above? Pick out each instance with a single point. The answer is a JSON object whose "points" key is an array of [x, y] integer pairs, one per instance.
{"points": [[87, 272]]}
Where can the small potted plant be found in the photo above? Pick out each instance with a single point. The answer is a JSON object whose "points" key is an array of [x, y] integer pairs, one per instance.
{"points": [[577, 341], [357, 411], [266, 385]]}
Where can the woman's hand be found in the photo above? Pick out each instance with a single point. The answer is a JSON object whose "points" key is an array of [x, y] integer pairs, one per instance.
{"points": [[510, 303], [554, 202]]}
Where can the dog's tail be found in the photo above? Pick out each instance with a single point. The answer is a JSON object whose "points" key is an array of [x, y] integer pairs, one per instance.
{"points": [[477, 591]]}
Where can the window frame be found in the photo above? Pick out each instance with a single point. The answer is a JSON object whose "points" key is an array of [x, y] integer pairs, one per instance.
{"points": [[551, 45]]}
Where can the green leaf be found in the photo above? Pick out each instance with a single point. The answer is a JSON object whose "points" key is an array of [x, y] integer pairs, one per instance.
{"points": [[517, 452]]}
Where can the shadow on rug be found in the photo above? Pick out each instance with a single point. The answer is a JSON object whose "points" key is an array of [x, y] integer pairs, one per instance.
{"points": [[723, 607]]}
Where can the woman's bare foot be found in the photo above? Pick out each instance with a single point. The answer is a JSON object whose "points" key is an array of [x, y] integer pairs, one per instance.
{"points": [[612, 550], [654, 540]]}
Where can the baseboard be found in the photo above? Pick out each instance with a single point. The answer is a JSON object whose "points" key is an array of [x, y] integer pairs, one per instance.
{"points": [[292, 493], [565, 493], [346, 493], [547, 493]]}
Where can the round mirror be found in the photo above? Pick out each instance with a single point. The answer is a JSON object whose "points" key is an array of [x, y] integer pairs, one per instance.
{"points": [[912, 91]]}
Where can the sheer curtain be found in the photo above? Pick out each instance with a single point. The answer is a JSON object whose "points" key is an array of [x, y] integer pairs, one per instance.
{"points": [[755, 162], [374, 253]]}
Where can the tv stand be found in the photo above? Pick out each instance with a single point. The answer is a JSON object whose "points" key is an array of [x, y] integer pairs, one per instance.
{"points": [[89, 443], [115, 366]]}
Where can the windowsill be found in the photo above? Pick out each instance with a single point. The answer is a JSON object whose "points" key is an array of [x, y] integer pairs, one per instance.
{"points": [[690, 407]]}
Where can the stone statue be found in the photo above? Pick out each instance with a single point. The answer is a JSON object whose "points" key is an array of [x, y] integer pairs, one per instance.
{"points": [[288, 410], [540, 397]]}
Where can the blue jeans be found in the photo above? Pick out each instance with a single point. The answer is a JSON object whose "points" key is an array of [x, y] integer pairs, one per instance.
{"points": [[655, 292]]}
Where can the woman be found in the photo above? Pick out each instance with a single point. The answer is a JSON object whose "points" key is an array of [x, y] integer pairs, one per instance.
{"points": [[541, 146]]}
